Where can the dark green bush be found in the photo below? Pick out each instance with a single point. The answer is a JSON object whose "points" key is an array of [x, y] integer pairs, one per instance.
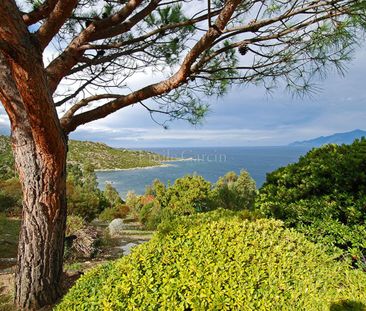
{"points": [[323, 195], [218, 261], [86, 200], [7, 165], [112, 196], [73, 224]]}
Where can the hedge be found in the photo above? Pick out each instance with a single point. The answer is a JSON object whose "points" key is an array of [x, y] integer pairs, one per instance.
{"points": [[215, 263]]}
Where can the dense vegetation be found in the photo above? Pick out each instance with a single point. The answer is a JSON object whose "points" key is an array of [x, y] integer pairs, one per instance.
{"points": [[215, 251], [218, 261], [84, 198], [190, 195], [323, 196], [9, 232]]}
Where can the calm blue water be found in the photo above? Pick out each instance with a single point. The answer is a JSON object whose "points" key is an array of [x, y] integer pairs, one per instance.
{"points": [[211, 163]]}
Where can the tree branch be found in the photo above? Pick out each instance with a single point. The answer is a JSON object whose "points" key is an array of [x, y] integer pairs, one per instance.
{"points": [[164, 86], [39, 13], [84, 102], [161, 29], [60, 66], [60, 13]]}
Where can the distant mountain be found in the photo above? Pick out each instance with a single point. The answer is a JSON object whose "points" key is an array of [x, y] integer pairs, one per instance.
{"points": [[338, 138]]}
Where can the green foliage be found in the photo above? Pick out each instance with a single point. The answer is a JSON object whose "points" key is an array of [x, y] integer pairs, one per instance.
{"points": [[86, 200], [7, 166], [9, 235], [10, 197], [133, 201], [188, 195], [73, 224], [83, 196], [346, 242], [116, 211], [323, 195], [235, 192], [214, 263], [112, 195]]}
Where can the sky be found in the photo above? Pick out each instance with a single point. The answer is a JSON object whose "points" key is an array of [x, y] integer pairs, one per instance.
{"points": [[246, 116]]}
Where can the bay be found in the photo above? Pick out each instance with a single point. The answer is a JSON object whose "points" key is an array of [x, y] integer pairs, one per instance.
{"points": [[210, 162]]}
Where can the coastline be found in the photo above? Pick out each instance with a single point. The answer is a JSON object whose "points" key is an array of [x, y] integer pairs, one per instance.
{"points": [[132, 168], [163, 163]]}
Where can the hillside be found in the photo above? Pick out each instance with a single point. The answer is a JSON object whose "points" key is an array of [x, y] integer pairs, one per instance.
{"points": [[101, 156], [337, 138]]}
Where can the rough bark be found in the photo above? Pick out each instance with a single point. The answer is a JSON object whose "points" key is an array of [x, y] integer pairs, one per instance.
{"points": [[43, 178], [41, 243], [39, 148]]}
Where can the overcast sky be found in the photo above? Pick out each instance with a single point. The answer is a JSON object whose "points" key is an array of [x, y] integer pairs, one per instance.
{"points": [[244, 117]]}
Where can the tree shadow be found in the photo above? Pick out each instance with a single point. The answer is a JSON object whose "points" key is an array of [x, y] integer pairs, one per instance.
{"points": [[347, 305]]}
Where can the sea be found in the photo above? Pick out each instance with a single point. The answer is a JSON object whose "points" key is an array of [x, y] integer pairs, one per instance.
{"points": [[210, 162]]}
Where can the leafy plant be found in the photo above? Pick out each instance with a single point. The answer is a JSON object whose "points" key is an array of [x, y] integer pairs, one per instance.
{"points": [[235, 192], [117, 211], [73, 224], [214, 263], [324, 196]]}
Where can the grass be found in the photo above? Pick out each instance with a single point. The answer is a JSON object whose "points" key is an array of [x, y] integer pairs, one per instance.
{"points": [[75, 266], [9, 235], [6, 303]]}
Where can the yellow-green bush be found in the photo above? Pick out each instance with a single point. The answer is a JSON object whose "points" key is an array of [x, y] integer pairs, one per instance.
{"points": [[221, 263]]}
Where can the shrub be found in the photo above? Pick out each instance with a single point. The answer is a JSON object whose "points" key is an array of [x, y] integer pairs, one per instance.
{"points": [[133, 201], [112, 195], [82, 202], [188, 195], [11, 197], [324, 196], [110, 213], [214, 263], [83, 196], [235, 192], [73, 224]]}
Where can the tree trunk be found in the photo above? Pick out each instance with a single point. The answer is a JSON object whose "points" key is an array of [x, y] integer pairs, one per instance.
{"points": [[39, 148], [41, 243]]}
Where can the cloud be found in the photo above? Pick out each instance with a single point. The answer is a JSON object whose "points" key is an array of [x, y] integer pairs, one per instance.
{"points": [[245, 116]]}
